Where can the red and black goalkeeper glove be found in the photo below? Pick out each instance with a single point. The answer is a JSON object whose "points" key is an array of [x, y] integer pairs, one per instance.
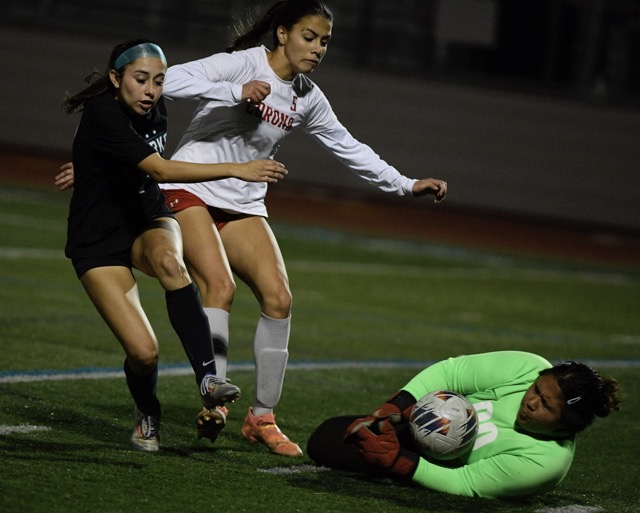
{"points": [[397, 409], [384, 451]]}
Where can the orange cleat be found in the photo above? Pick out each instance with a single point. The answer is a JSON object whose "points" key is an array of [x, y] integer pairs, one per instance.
{"points": [[263, 429]]}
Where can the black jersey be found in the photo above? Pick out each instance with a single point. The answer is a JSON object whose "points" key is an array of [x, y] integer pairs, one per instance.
{"points": [[113, 200]]}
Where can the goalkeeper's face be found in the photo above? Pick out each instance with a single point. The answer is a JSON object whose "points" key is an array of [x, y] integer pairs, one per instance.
{"points": [[542, 407]]}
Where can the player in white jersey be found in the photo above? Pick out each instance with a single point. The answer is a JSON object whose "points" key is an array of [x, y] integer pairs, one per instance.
{"points": [[251, 97]]}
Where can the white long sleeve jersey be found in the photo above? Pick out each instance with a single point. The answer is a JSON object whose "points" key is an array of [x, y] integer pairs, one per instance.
{"points": [[226, 129]]}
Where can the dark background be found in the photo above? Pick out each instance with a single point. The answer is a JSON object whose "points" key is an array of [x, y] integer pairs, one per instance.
{"points": [[526, 107]]}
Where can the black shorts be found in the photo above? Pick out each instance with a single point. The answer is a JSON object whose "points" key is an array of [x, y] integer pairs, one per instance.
{"points": [[118, 258], [121, 259]]}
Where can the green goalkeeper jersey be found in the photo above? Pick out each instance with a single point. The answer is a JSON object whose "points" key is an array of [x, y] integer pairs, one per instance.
{"points": [[505, 461]]}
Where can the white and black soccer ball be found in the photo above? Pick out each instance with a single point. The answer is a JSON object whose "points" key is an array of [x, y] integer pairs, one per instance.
{"points": [[444, 425]]}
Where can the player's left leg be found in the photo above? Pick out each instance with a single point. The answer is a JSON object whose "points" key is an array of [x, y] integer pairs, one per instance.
{"points": [[114, 292], [256, 259]]}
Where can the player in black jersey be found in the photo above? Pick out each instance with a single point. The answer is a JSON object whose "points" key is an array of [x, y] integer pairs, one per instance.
{"points": [[118, 221]]}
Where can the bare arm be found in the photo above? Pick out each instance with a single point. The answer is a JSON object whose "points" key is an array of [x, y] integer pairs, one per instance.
{"points": [[163, 170]]}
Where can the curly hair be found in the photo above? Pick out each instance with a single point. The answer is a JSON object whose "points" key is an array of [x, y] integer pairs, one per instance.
{"points": [[587, 394]]}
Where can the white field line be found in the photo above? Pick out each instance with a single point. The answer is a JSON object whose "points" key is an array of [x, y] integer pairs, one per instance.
{"points": [[573, 508], [298, 469], [503, 273], [21, 429]]}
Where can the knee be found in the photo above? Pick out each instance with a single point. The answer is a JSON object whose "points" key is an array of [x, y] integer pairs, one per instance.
{"points": [[167, 264], [277, 303], [217, 291], [143, 361]]}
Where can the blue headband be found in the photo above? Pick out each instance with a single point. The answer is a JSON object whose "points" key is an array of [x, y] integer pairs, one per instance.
{"points": [[138, 52]]}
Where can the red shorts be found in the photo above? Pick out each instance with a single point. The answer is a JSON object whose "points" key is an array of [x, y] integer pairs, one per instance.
{"points": [[179, 199]]}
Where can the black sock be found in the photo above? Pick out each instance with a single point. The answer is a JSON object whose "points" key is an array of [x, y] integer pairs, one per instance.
{"points": [[143, 390], [190, 323]]}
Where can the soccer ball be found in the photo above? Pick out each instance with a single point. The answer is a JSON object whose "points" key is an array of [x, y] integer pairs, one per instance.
{"points": [[444, 425]]}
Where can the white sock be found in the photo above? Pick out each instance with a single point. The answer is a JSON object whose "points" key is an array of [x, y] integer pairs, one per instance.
{"points": [[219, 326], [271, 355]]}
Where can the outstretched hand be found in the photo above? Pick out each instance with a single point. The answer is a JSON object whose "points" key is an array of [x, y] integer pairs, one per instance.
{"points": [[64, 180], [430, 186], [261, 171]]}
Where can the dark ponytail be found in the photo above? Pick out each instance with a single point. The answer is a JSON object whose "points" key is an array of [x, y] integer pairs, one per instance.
{"points": [[97, 83], [587, 394], [285, 13]]}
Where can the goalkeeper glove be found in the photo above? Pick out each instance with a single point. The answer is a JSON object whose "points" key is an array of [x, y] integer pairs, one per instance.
{"points": [[397, 409], [384, 450]]}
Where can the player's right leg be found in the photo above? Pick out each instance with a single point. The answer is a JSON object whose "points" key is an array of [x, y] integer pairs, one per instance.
{"points": [[114, 293], [208, 266], [207, 262]]}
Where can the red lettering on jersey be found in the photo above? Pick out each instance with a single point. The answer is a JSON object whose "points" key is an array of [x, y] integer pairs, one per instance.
{"points": [[270, 115], [267, 115], [294, 105]]}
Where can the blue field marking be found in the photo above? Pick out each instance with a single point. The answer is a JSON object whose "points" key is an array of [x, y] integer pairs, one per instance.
{"points": [[30, 376]]}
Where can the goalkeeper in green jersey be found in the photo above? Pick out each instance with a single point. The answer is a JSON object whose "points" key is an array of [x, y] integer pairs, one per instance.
{"points": [[529, 413]]}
